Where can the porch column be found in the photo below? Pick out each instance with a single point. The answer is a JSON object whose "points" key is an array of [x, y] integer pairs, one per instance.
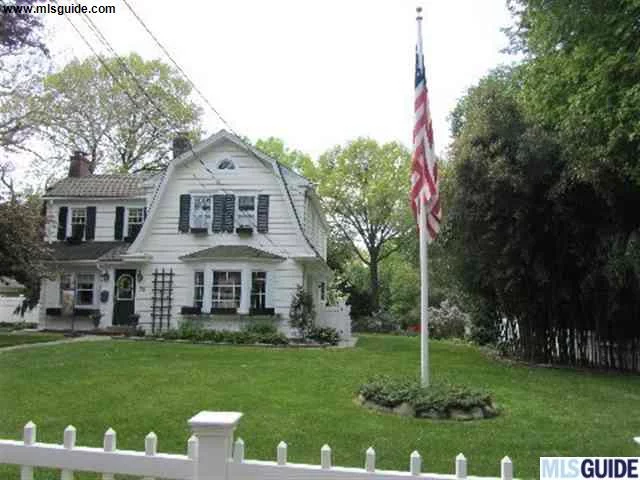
{"points": [[245, 295]]}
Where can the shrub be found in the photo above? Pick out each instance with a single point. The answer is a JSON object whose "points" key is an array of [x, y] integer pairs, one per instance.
{"points": [[437, 400], [447, 321], [301, 312], [324, 335], [261, 328], [380, 322], [194, 332]]}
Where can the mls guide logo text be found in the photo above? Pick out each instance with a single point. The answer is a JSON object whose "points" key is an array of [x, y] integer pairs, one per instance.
{"points": [[559, 468]]}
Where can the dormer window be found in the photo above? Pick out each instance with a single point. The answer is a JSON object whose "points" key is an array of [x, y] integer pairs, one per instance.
{"points": [[135, 219], [226, 164], [200, 212]]}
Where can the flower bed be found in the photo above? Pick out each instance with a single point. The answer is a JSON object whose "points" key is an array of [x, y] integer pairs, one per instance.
{"points": [[405, 396]]}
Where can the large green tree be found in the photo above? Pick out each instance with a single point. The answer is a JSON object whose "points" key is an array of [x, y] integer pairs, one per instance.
{"points": [[83, 107], [582, 79], [364, 188], [536, 243]]}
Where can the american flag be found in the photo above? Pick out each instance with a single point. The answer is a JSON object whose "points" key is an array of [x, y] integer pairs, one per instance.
{"points": [[424, 169]]}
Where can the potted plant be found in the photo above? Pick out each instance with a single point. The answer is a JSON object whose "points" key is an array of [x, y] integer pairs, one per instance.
{"points": [[95, 318]]}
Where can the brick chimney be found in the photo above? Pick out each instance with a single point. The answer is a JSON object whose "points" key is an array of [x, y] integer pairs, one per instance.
{"points": [[181, 144], [79, 165]]}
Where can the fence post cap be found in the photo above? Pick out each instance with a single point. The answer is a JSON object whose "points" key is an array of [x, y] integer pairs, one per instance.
{"points": [[637, 440], [506, 460], [210, 422], [460, 456]]}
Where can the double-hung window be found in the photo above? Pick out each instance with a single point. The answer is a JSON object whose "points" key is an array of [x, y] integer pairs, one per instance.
{"points": [[246, 210], [258, 290], [200, 212], [198, 289], [226, 290], [135, 219], [78, 222], [82, 284]]}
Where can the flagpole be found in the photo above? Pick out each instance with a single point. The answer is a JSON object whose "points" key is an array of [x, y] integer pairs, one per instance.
{"points": [[424, 272]]}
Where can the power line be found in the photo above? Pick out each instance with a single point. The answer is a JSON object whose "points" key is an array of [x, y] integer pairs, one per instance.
{"points": [[96, 30], [184, 74], [206, 100]]}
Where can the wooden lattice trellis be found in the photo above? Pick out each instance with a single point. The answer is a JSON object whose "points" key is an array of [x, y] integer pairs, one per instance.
{"points": [[161, 300]]}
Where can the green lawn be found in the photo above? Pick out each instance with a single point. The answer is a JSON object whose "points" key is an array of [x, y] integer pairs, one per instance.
{"points": [[11, 339], [305, 397]]}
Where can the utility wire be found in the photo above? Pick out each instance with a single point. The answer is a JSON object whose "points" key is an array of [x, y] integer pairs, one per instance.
{"points": [[175, 64], [206, 100], [92, 26]]}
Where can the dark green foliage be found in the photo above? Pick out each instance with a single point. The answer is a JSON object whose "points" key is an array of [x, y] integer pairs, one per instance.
{"points": [[261, 328], [441, 397], [302, 312], [537, 244], [194, 331], [325, 335]]}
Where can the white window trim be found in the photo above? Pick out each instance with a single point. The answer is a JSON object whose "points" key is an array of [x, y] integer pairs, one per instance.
{"points": [[208, 225], [252, 219], [94, 304], [245, 268], [125, 226], [68, 229]]}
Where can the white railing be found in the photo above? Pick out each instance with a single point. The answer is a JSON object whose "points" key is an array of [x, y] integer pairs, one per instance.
{"points": [[211, 455], [336, 316]]}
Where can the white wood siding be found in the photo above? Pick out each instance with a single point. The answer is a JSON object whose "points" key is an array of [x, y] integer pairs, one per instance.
{"points": [[105, 215], [166, 244]]}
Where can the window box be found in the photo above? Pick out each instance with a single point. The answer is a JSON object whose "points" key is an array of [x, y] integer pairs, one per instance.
{"points": [[85, 312], [244, 230], [54, 312], [199, 230], [186, 310], [224, 311], [262, 311]]}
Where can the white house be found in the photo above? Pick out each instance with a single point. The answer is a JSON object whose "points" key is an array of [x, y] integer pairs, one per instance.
{"points": [[224, 233]]}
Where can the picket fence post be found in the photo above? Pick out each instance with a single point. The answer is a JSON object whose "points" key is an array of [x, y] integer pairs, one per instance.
{"points": [[214, 431]]}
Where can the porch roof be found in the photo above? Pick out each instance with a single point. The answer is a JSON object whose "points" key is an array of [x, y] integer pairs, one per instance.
{"points": [[105, 251], [231, 251]]}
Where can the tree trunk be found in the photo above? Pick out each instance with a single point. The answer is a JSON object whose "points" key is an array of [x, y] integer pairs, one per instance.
{"points": [[374, 284]]}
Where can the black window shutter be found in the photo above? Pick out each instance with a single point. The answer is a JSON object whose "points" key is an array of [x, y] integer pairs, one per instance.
{"points": [[118, 227], [218, 213], [144, 213], [62, 222], [185, 210], [90, 229], [263, 213], [229, 212]]}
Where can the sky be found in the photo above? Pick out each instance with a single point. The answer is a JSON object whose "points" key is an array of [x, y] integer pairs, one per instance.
{"points": [[315, 74]]}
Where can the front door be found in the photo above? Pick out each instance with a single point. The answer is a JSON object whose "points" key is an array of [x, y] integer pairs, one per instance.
{"points": [[124, 297]]}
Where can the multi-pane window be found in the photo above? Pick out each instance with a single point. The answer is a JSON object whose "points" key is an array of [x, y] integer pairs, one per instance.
{"points": [[78, 222], [258, 290], [225, 292], [226, 164], [198, 289], [84, 289], [200, 211], [82, 284], [135, 219], [246, 210]]}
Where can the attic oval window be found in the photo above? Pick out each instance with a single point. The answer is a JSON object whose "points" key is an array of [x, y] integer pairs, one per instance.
{"points": [[226, 164]]}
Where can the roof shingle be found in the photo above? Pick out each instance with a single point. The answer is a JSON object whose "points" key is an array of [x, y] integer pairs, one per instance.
{"points": [[99, 186], [230, 251], [107, 251]]}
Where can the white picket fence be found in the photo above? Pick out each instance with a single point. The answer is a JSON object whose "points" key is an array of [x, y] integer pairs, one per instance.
{"points": [[211, 455]]}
